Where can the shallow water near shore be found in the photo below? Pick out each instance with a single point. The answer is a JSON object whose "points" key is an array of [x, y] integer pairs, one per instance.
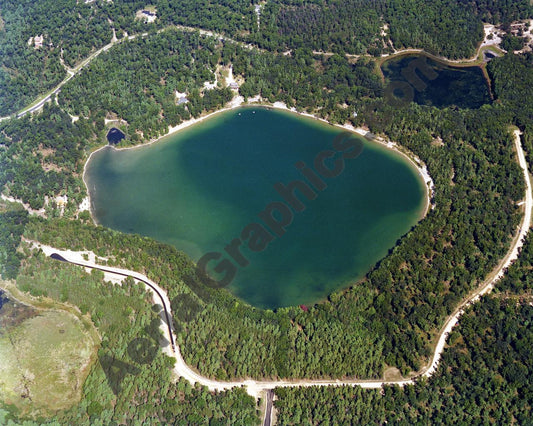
{"points": [[199, 188]]}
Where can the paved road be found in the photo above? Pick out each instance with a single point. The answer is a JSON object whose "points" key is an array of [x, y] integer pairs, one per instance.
{"points": [[125, 274], [265, 388], [267, 421], [72, 72], [257, 388]]}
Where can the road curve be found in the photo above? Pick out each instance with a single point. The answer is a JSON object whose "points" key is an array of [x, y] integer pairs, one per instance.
{"points": [[257, 388], [74, 71], [156, 290], [510, 257], [253, 387]]}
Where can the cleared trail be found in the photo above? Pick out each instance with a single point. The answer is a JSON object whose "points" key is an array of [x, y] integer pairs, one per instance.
{"points": [[254, 387], [71, 72], [257, 387]]}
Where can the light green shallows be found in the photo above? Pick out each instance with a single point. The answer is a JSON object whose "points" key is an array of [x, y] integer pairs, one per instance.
{"points": [[200, 188]]}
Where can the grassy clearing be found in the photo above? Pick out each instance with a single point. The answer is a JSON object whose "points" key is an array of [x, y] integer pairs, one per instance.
{"points": [[43, 363]]}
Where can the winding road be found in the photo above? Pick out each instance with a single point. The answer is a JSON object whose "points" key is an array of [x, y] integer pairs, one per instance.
{"points": [[71, 72], [509, 258], [256, 388]]}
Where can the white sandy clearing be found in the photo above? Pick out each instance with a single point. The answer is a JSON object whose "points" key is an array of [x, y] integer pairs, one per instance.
{"points": [[84, 205], [230, 79], [79, 256], [256, 388], [208, 85], [496, 36]]}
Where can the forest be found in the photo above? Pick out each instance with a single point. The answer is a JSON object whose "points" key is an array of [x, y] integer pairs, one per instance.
{"points": [[74, 29], [439, 266], [443, 258], [142, 93], [43, 156], [483, 377], [388, 320], [137, 82], [13, 219], [123, 387], [449, 28]]}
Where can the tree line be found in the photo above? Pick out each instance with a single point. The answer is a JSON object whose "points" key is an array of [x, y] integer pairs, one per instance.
{"points": [[389, 319], [394, 313]]}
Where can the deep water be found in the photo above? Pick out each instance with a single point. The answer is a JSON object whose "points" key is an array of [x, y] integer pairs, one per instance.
{"points": [[438, 84], [200, 188], [114, 136]]}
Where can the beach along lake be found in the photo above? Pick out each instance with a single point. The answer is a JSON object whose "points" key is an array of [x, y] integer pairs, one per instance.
{"points": [[283, 209]]}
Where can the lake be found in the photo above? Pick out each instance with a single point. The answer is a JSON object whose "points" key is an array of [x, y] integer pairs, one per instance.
{"points": [[114, 136], [437, 83], [203, 188], [3, 299]]}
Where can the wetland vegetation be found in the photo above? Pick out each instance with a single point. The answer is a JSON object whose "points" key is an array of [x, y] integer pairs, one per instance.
{"points": [[45, 357]]}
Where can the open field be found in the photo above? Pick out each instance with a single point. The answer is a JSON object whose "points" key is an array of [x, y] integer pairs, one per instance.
{"points": [[43, 363]]}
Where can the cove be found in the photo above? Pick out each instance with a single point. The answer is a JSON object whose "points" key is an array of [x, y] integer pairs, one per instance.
{"points": [[197, 189], [439, 84]]}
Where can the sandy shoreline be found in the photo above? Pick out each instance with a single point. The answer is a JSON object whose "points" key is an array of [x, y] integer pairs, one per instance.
{"points": [[257, 387], [238, 102], [235, 103], [413, 159]]}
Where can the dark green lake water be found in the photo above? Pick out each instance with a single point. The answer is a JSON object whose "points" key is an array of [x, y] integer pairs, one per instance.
{"points": [[198, 189], [438, 84]]}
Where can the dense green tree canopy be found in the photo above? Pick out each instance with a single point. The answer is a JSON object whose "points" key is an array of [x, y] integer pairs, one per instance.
{"points": [[389, 319]]}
